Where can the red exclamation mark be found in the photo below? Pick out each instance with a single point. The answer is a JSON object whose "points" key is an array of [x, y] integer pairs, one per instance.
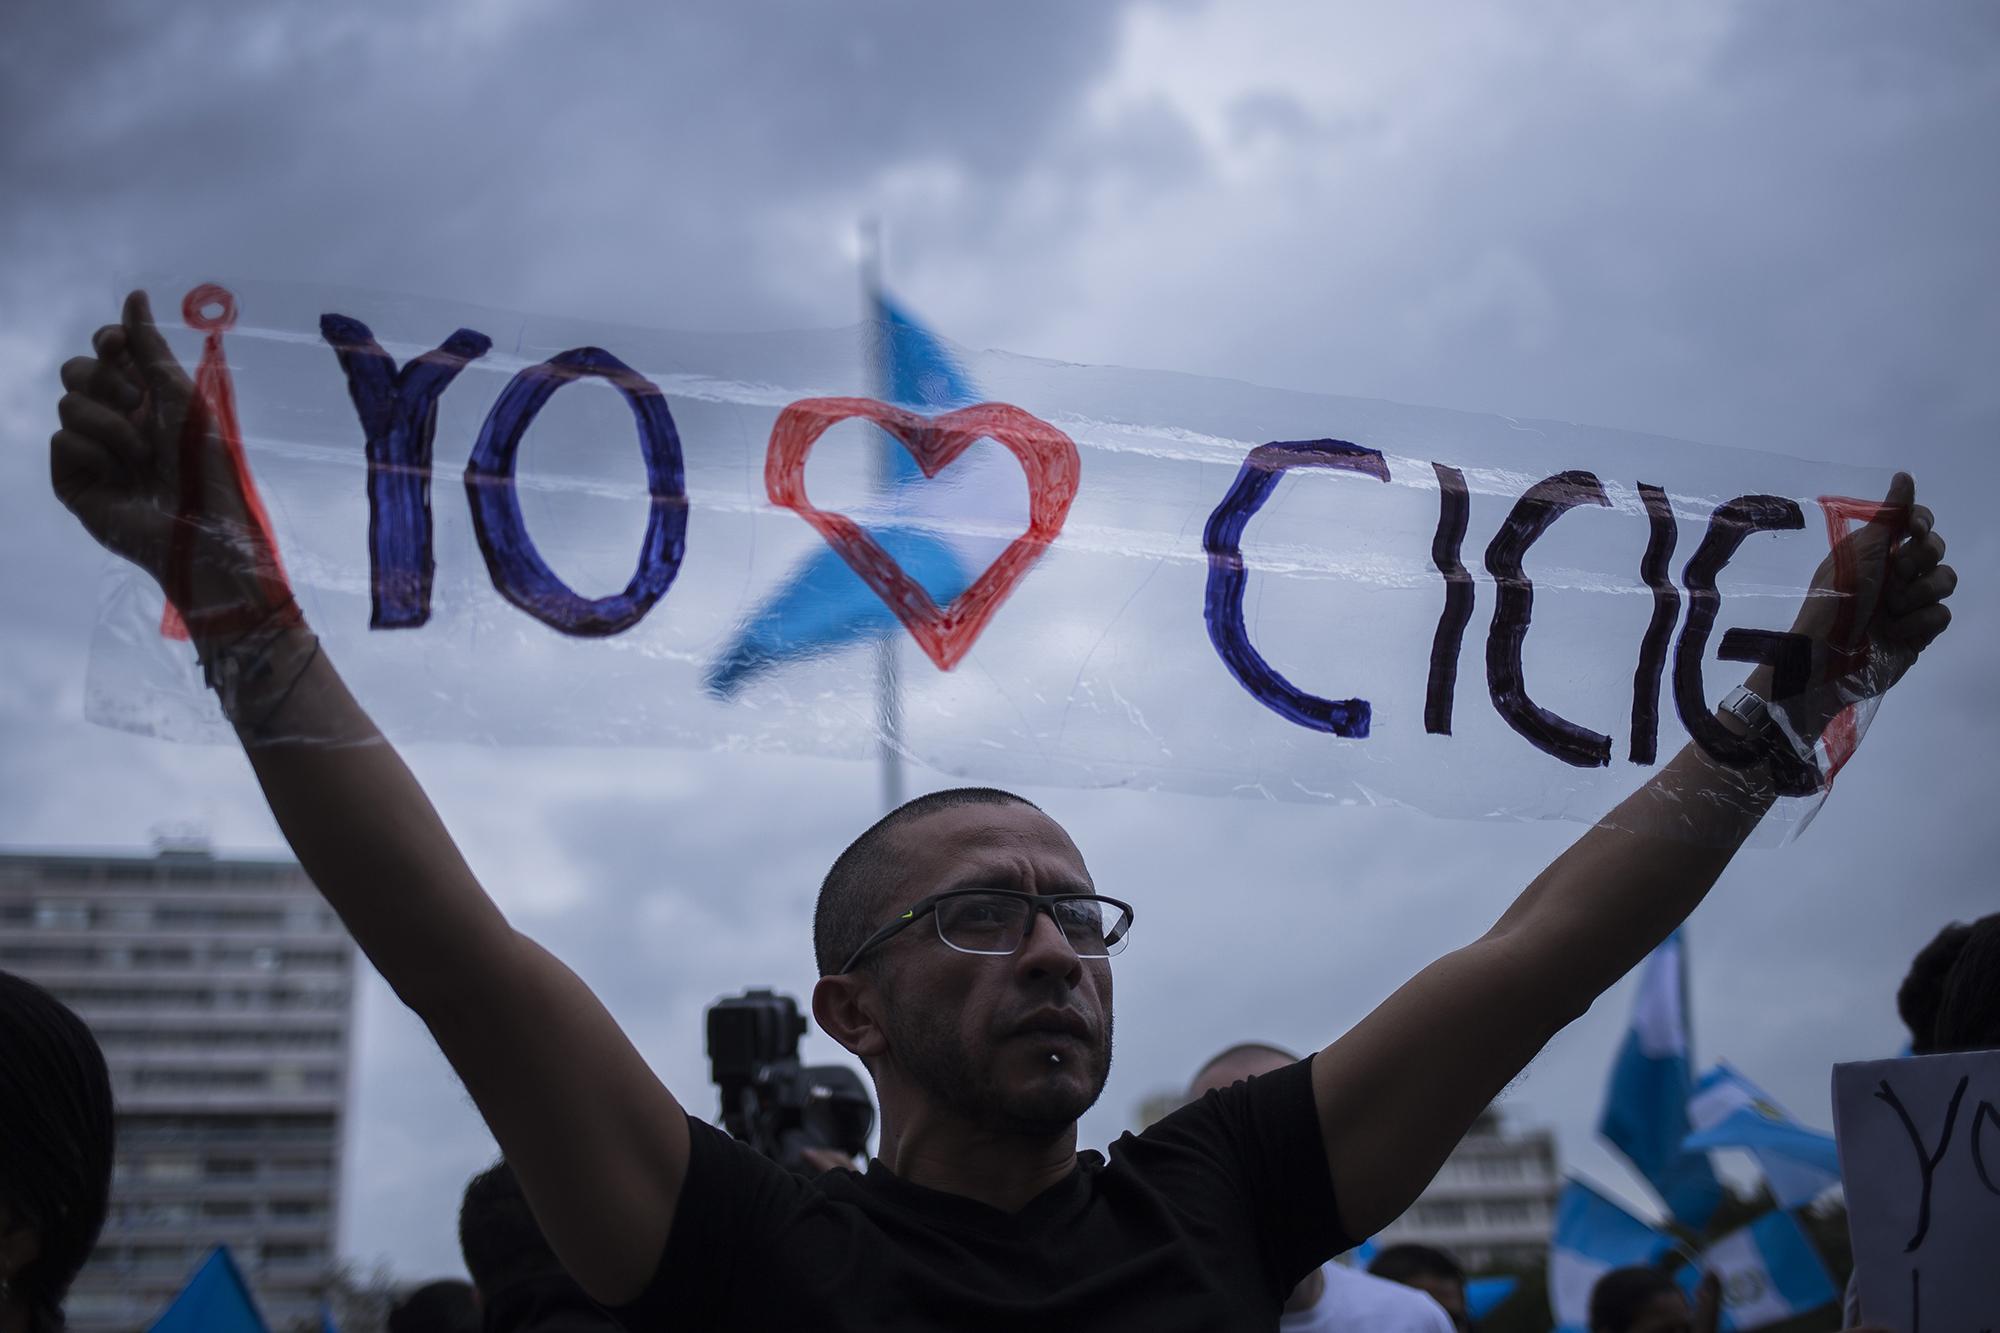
{"points": [[1842, 511], [215, 401]]}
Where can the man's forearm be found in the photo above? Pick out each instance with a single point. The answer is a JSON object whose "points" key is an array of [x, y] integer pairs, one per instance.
{"points": [[1622, 887], [361, 826]]}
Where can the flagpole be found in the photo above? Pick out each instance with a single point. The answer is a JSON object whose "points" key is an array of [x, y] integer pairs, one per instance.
{"points": [[888, 692]]}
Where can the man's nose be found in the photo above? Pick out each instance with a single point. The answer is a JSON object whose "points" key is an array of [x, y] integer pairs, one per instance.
{"points": [[1047, 951]]}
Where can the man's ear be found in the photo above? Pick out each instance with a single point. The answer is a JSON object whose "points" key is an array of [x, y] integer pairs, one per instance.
{"points": [[848, 1009]]}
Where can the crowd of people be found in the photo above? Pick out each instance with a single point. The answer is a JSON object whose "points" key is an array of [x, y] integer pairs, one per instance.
{"points": [[965, 960], [55, 1181]]}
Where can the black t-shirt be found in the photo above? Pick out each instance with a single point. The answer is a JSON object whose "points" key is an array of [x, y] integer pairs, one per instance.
{"points": [[1205, 1221]]}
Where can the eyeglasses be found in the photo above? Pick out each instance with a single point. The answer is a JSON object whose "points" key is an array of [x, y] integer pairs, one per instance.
{"points": [[997, 921]]}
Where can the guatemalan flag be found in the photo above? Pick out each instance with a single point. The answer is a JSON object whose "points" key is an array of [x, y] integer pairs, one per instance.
{"points": [[943, 531], [1769, 1272], [1646, 1106], [1593, 1236], [1729, 1111]]}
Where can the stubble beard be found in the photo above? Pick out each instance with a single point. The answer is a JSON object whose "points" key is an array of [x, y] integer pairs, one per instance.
{"points": [[938, 1060]]}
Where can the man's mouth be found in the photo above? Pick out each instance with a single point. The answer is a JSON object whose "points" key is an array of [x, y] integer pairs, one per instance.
{"points": [[1056, 1023]]}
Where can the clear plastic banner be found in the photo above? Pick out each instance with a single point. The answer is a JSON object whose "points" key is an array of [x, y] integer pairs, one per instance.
{"points": [[512, 529]]}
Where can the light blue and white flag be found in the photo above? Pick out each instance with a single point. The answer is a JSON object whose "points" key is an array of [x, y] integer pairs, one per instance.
{"points": [[1769, 1271], [1593, 1236], [216, 1299], [1646, 1105], [1729, 1111], [943, 531]]}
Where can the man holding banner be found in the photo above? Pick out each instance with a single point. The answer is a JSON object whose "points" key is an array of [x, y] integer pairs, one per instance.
{"points": [[987, 1029]]}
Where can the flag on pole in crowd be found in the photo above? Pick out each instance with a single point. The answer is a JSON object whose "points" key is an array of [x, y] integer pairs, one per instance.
{"points": [[1593, 1236], [1729, 1111], [1769, 1272], [1646, 1105], [823, 606], [216, 1299]]}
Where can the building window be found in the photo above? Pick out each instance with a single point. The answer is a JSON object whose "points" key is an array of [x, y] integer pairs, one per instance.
{"points": [[1444, 1214], [169, 1167]]}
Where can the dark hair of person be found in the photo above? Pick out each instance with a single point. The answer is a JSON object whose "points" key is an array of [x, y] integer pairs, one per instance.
{"points": [[1968, 1008], [444, 1306], [522, 1284], [849, 897], [498, 1233], [1401, 1263], [1623, 1294], [1922, 990], [55, 1140]]}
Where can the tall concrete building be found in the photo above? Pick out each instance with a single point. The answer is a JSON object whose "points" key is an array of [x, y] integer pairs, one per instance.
{"points": [[1493, 1204], [222, 991]]}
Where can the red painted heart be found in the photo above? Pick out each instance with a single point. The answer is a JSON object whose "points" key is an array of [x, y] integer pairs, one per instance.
{"points": [[1046, 454]]}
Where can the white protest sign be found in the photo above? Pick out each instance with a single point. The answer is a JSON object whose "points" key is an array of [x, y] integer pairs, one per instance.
{"points": [[516, 530], [1920, 1155]]}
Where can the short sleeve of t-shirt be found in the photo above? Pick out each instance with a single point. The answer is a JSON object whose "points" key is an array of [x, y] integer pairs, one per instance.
{"points": [[1205, 1220], [733, 1197], [1255, 1145]]}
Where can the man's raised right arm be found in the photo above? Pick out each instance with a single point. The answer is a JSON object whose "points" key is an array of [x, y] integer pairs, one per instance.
{"points": [[599, 1143]]}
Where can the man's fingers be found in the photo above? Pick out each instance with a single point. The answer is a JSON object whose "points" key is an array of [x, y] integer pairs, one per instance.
{"points": [[77, 465], [77, 373], [1902, 491], [1921, 626], [99, 379], [1934, 586], [89, 417], [155, 360], [1920, 557]]}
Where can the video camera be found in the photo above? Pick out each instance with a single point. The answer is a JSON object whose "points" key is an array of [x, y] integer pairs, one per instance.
{"points": [[769, 1100]]}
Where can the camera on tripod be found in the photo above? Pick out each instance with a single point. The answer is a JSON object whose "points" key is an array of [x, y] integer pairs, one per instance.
{"points": [[769, 1100]]}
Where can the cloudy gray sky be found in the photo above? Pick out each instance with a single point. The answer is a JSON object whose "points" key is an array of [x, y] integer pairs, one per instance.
{"points": [[1765, 226]]}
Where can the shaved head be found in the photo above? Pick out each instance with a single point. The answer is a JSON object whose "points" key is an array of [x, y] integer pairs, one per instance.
{"points": [[852, 896], [1246, 1059]]}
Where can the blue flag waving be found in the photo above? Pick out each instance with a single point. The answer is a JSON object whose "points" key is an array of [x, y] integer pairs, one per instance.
{"points": [[1593, 1236], [1729, 1111], [823, 606], [215, 1300], [1646, 1105], [1769, 1272]]}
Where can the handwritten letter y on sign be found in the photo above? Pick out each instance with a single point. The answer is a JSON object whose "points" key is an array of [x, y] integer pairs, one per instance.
{"points": [[1920, 1157]]}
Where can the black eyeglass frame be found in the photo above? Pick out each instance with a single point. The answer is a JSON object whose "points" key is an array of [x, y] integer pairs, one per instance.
{"points": [[1037, 902]]}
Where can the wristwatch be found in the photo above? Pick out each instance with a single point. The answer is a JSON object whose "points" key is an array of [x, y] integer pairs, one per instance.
{"points": [[1758, 720]]}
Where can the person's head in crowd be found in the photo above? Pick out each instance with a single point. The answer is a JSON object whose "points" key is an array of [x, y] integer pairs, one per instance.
{"points": [[1951, 999], [1922, 990], [522, 1286], [445, 1306], [55, 1152], [1639, 1300], [1429, 1270], [988, 1013], [1246, 1059]]}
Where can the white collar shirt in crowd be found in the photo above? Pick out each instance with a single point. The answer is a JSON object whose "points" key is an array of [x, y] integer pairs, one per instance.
{"points": [[1354, 1301]]}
